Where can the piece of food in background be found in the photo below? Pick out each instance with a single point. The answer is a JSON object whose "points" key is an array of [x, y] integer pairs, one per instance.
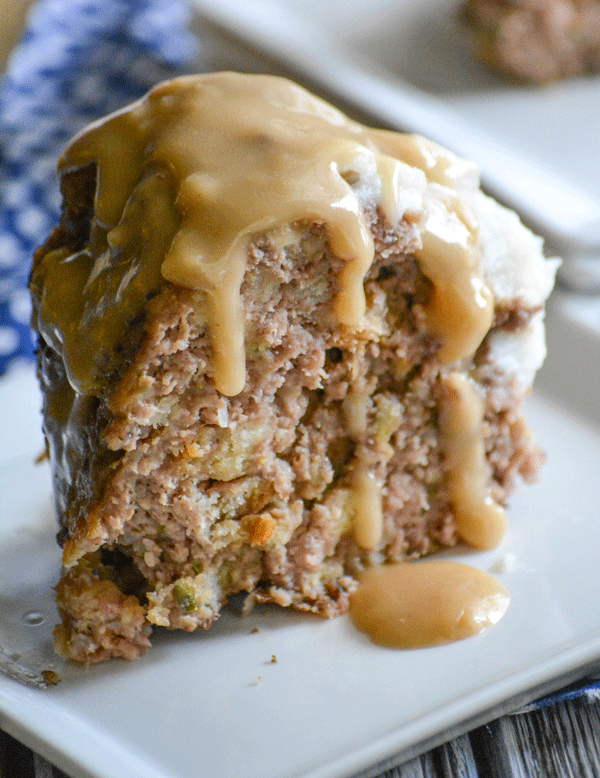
{"points": [[537, 41], [276, 348]]}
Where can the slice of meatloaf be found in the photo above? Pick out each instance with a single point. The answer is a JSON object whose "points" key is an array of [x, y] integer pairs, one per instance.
{"points": [[174, 494]]}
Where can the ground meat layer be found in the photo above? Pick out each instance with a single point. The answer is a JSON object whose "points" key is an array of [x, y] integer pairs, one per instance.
{"points": [[537, 40], [173, 497]]}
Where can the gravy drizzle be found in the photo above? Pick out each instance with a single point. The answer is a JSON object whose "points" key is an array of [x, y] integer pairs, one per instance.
{"points": [[366, 496], [368, 513], [228, 156], [481, 522]]}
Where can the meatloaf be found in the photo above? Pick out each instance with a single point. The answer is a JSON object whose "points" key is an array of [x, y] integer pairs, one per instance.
{"points": [[537, 41], [275, 347]]}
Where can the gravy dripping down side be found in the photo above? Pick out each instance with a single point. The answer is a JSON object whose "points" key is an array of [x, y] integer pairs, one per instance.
{"points": [[228, 157], [410, 605], [366, 490], [210, 162], [481, 522]]}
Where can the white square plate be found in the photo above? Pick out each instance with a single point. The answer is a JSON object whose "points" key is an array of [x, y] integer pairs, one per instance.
{"points": [[213, 703]]}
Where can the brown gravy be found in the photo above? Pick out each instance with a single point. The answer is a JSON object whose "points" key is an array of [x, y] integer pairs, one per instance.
{"points": [[481, 522], [420, 604], [211, 161]]}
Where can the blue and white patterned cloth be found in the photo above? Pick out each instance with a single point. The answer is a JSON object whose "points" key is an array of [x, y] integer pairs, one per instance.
{"points": [[78, 60]]}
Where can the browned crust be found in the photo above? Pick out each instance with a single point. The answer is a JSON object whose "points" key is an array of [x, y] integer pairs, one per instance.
{"points": [[91, 633]]}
